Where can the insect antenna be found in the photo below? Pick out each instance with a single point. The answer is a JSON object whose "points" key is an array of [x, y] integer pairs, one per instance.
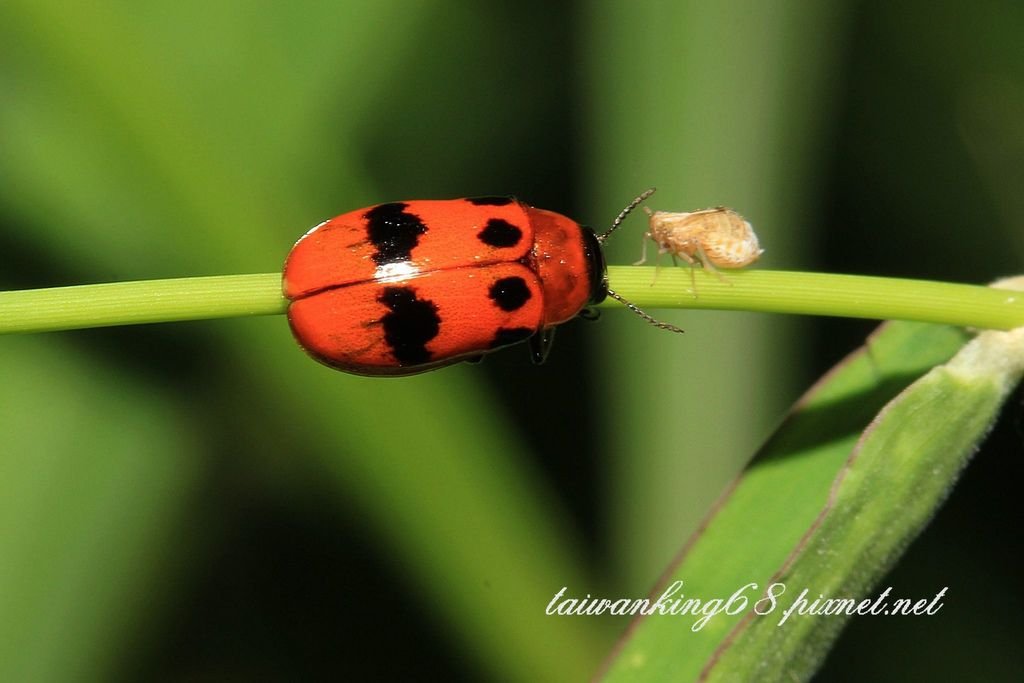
{"points": [[636, 309], [604, 235], [625, 212]]}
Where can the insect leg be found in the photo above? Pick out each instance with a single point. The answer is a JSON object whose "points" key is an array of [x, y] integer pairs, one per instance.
{"points": [[693, 263], [711, 266], [643, 250], [540, 345]]}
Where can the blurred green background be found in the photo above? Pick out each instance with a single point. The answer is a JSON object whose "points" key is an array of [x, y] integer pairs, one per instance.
{"points": [[200, 501]]}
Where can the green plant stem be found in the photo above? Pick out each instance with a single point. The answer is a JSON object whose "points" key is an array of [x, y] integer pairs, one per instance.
{"points": [[145, 301], [847, 296], [201, 298]]}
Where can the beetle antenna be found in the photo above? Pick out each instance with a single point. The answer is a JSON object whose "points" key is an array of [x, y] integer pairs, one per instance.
{"points": [[636, 309], [625, 212]]}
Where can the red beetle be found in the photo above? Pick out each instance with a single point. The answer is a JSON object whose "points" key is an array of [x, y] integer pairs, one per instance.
{"points": [[404, 287]]}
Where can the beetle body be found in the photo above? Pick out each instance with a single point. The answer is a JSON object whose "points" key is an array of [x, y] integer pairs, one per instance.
{"points": [[404, 287]]}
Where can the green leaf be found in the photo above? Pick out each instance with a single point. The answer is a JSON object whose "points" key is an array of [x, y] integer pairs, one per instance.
{"points": [[828, 505]]}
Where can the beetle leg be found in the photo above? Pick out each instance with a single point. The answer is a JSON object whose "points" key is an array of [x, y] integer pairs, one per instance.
{"points": [[540, 345]]}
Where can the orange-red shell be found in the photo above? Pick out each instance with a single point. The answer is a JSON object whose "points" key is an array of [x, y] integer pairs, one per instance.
{"points": [[408, 286]]}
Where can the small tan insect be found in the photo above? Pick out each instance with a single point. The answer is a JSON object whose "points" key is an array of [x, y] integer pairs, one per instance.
{"points": [[709, 238]]}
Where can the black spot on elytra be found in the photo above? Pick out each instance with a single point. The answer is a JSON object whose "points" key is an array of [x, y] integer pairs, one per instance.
{"points": [[510, 335], [490, 201], [500, 233], [510, 293], [393, 231], [410, 325]]}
